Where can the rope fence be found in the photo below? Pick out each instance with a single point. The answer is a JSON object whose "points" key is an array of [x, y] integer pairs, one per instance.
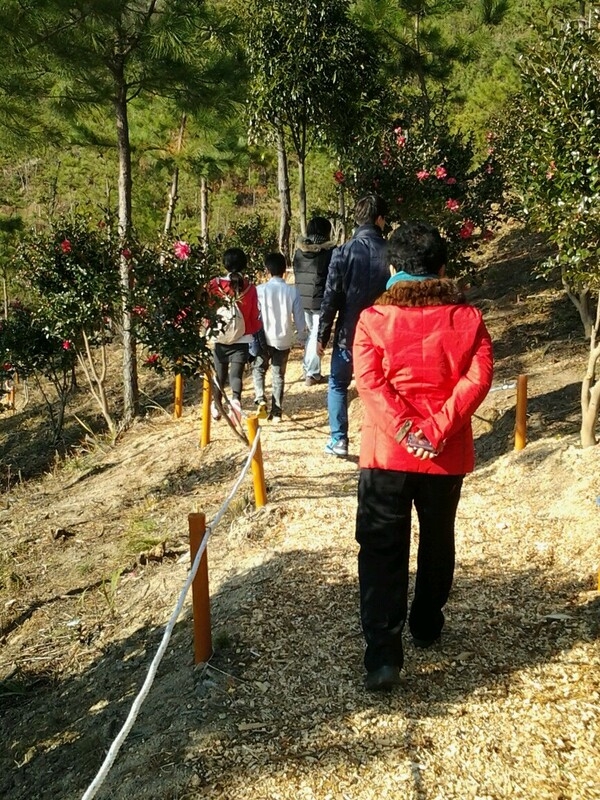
{"points": [[146, 686]]}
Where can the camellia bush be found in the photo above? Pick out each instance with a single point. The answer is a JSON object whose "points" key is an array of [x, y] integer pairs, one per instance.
{"points": [[551, 153], [70, 273], [426, 172], [29, 350], [173, 308]]}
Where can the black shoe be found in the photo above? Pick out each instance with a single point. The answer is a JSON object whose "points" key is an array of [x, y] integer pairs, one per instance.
{"points": [[383, 679], [423, 644]]}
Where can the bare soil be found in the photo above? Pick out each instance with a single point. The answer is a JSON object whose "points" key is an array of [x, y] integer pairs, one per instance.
{"points": [[93, 554]]}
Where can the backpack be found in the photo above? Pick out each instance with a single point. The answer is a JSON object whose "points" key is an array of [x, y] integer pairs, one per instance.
{"points": [[233, 325]]}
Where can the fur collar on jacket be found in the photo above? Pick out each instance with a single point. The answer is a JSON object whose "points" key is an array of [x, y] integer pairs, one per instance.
{"points": [[438, 292], [304, 244]]}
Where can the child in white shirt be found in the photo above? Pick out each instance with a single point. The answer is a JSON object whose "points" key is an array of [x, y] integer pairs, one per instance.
{"points": [[281, 310]]}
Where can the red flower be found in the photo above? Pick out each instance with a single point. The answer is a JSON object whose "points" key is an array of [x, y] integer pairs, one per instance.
{"points": [[440, 173], [151, 360], [450, 181], [7, 367], [139, 310], [452, 205], [126, 253], [339, 176], [65, 246], [467, 229], [422, 175], [182, 250], [67, 345], [400, 138]]}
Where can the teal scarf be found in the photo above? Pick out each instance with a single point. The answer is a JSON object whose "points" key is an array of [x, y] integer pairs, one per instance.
{"points": [[405, 276]]}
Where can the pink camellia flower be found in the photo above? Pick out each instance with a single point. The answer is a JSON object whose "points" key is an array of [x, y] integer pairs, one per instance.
{"points": [[450, 181], [67, 345], [422, 174], [339, 176], [440, 173], [467, 229], [400, 137], [151, 360], [126, 253], [180, 317], [65, 246], [452, 205], [182, 250]]}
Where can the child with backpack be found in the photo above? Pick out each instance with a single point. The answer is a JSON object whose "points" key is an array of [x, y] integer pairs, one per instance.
{"points": [[241, 319], [281, 310]]}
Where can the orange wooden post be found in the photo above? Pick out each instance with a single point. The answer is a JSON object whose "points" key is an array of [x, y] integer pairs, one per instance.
{"points": [[178, 408], [206, 400], [200, 597], [521, 413], [258, 472]]}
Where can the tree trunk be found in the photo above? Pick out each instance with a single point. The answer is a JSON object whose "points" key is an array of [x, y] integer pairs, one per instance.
{"points": [[130, 378], [204, 209], [582, 302], [285, 203], [302, 195], [173, 192], [342, 212]]}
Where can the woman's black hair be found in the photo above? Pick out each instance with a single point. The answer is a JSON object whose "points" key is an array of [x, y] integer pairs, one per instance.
{"points": [[418, 248]]}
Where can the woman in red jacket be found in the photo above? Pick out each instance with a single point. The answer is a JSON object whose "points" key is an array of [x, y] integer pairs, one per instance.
{"points": [[423, 364]]}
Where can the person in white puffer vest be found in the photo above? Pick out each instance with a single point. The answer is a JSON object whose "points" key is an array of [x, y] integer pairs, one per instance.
{"points": [[281, 311]]}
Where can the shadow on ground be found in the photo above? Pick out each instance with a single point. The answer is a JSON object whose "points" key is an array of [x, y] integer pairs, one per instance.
{"points": [[283, 687]]}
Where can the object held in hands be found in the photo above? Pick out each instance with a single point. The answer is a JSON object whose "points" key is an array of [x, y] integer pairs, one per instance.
{"points": [[417, 442]]}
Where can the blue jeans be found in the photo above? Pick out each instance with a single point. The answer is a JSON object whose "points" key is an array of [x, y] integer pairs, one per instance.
{"points": [[340, 375], [311, 363]]}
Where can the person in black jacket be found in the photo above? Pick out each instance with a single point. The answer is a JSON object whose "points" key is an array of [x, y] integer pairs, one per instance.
{"points": [[357, 275], [311, 262]]}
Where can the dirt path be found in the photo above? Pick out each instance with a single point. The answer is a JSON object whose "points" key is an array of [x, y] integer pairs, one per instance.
{"points": [[506, 706]]}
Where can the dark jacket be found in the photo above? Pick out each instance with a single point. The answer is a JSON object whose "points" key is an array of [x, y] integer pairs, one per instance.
{"points": [[421, 354], [311, 262], [357, 275]]}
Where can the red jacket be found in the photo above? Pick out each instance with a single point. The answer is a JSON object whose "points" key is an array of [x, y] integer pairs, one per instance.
{"points": [[247, 302], [421, 354]]}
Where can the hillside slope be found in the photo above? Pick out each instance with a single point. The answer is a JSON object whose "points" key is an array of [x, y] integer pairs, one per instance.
{"points": [[506, 705]]}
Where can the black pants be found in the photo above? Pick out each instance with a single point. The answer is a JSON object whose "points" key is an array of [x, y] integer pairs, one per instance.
{"points": [[230, 360], [385, 500]]}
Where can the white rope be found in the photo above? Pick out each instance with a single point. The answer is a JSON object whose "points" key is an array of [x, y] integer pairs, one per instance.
{"points": [[137, 703]]}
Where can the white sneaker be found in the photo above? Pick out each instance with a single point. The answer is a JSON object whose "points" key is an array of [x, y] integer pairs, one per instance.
{"points": [[214, 411]]}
